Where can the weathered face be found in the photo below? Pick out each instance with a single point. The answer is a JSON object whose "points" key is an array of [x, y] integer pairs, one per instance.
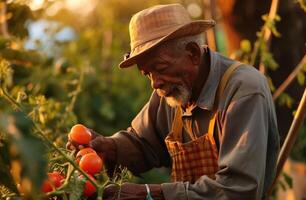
{"points": [[171, 75]]}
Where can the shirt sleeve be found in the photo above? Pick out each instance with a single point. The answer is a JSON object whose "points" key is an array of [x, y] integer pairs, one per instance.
{"points": [[242, 155], [143, 142]]}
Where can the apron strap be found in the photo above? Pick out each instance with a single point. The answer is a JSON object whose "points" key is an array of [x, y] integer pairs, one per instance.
{"points": [[219, 94], [224, 81], [177, 124]]}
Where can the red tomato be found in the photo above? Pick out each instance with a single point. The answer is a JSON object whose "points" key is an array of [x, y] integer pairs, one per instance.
{"points": [[89, 189], [80, 134], [54, 181], [82, 152], [91, 163]]}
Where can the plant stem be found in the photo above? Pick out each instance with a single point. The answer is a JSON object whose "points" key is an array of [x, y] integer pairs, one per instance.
{"points": [[8, 97], [100, 193], [256, 50], [77, 92]]}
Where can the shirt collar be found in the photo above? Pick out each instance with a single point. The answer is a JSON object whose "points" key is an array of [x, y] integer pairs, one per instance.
{"points": [[207, 95]]}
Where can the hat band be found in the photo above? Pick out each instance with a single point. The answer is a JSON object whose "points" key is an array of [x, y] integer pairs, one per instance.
{"points": [[142, 46], [155, 34]]}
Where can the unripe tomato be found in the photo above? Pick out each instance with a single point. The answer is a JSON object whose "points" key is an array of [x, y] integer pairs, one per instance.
{"points": [[89, 189], [91, 163], [54, 181], [80, 134], [82, 152]]}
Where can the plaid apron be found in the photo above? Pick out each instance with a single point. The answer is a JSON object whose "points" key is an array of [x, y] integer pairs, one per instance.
{"points": [[198, 157]]}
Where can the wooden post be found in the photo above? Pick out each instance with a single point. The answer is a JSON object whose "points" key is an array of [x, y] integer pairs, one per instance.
{"points": [[267, 31], [290, 139]]}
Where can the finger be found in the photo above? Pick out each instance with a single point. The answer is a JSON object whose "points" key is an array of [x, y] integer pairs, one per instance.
{"points": [[94, 134], [110, 191], [70, 146], [74, 146]]}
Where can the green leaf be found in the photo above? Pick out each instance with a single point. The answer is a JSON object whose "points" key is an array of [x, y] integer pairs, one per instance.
{"points": [[288, 180], [264, 17], [6, 177], [31, 150], [282, 185], [245, 46], [277, 18], [301, 78], [285, 99], [275, 32], [75, 187], [267, 59], [271, 85]]}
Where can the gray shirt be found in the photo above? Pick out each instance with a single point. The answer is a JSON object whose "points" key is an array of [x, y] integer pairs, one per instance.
{"points": [[246, 130]]}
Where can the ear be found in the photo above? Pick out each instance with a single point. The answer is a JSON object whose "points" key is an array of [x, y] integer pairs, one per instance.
{"points": [[194, 51]]}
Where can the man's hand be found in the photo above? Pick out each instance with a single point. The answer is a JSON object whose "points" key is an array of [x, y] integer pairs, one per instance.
{"points": [[132, 191], [104, 146]]}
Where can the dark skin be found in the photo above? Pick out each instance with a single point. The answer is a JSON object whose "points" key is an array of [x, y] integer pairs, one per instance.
{"points": [[163, 67]]}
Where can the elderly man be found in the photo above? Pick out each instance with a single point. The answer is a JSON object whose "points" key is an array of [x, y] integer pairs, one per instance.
{"points": [[211, 119]]}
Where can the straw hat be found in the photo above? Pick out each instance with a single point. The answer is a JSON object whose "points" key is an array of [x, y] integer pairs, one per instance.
{"points": [[150, 27]]}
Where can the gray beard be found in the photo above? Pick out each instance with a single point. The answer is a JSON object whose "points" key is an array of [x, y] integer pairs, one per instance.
{"points": [[180, 95]]}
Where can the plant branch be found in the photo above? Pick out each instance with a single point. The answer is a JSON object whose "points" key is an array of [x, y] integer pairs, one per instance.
{"points": [[265, 34], [289, 79], [77, 92]]}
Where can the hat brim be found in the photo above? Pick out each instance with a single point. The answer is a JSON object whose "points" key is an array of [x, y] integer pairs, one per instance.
{"points": [[192, 28]]}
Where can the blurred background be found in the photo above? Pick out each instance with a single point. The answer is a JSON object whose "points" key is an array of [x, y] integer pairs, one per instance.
{"points": [[59, 60]]}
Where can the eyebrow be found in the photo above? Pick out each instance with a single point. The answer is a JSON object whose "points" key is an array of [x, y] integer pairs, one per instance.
{"points": [[151, 63]]}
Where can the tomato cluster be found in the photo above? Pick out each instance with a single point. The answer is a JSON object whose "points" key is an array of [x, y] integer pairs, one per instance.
{"points": [[86, 158], [91, 163]]}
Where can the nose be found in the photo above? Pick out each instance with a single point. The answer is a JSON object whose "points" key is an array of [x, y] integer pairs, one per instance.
{"points": [[156, 81]]}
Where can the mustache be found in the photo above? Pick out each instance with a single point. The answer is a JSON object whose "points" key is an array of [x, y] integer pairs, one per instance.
{"points": [[176, 95]]}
